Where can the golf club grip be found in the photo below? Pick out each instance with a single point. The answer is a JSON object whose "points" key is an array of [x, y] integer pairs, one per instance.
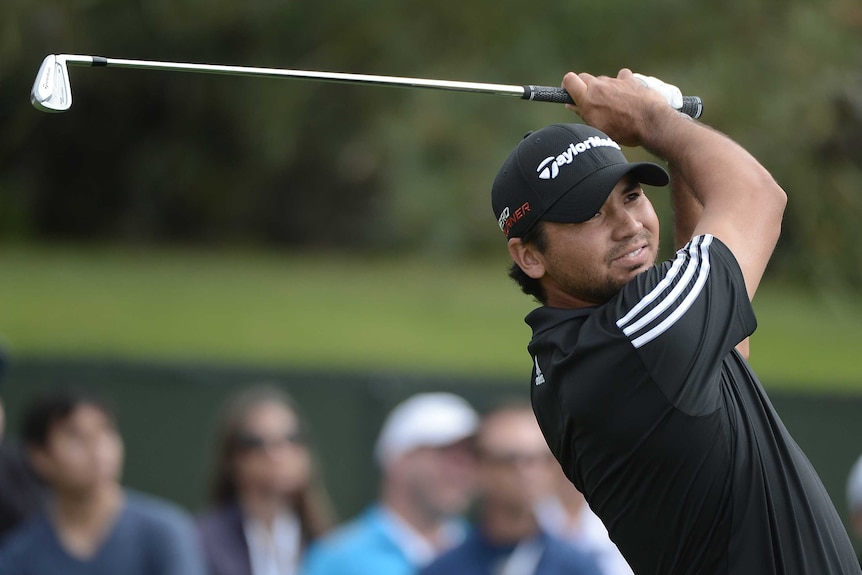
{"points": [[547, 94], [691, 105]]}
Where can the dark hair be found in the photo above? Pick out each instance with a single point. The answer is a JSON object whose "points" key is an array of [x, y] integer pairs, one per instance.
{"points": [[55, 406], [530, 286], [312, 504]]}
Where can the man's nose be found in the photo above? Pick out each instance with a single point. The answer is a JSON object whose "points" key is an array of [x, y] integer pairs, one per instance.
{"points": [[626, 224]]}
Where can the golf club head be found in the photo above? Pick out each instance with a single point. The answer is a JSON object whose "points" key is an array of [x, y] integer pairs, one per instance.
{"points": [[51, 90]]}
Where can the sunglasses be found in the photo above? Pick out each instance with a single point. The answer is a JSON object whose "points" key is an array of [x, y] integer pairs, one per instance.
{"points": [[254, 442]]}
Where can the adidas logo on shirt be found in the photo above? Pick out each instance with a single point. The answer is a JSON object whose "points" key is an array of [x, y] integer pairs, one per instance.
{"points": [[540, 378]]}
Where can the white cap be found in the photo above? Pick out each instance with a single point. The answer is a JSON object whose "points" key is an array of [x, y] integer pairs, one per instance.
{"points": [[854, 487], [425, 420]]}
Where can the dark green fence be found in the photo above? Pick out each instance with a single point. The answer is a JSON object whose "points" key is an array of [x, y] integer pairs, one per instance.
{"points": [[167, 415]]}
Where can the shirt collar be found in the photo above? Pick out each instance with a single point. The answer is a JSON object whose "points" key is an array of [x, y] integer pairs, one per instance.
{"points": [[418, 550], [543, 318], [274, 551]]}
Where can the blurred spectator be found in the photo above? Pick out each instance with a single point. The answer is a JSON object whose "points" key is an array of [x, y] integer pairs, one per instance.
{"points": [[92, 525], [269, 503], [427, 481], [565, 513], [854, 500], [515, 470], [20, 491]]}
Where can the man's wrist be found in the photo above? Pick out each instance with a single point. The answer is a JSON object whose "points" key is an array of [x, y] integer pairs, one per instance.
{"points": [[662, 129]]}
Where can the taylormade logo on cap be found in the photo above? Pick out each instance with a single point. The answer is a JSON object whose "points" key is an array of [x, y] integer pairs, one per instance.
{"points": [[549, 168]]}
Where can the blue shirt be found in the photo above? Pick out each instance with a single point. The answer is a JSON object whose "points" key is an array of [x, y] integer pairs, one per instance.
{"points": [[149, 537], [368, 545], [543, 555]]}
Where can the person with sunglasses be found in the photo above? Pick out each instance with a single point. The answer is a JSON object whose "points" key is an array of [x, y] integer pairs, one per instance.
{"points": [[267, 502]]}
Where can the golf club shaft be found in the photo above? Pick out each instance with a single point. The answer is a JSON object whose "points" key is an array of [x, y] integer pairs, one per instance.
{"points": [[691, 104]]}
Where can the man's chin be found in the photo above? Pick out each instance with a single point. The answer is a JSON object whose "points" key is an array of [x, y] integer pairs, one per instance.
{"points": [[640, 267], [633, 272]]}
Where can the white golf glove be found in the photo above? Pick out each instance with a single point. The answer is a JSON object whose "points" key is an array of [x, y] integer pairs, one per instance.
{"points": [[670, 92]]}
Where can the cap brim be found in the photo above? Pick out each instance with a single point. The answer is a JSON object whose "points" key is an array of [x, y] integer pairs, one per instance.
{"points": [[395, 448], [426, 420], [586, 197]]}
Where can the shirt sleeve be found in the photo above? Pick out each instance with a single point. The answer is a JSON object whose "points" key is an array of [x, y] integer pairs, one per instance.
{"points": [[178, 547], [323, 559], [684, 317]]}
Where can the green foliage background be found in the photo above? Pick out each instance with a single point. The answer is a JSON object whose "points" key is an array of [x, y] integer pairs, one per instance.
{"points": [[349, 314], [154, 157]]}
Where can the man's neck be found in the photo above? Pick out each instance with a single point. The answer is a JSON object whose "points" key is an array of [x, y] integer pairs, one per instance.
{"points": [[424, 524], [82, 520], [565, 302], [506, 525], [574, 504]]}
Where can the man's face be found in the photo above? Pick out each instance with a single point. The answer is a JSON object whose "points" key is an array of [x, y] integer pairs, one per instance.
{"points": [[83, 452], [441, 479], [588, 263], [516, 468]]}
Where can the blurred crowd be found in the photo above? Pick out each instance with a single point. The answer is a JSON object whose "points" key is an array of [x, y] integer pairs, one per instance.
{"points": [[460, 493]]}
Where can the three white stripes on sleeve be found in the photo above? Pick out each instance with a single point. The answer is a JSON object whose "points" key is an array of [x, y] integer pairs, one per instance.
{"points": [[689, 270]]}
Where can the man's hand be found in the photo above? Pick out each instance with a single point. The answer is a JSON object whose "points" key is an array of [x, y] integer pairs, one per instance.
{"points": [[622, 107]]}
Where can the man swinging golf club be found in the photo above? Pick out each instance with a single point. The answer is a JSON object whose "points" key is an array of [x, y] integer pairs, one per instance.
{"points": [[640, 382]]}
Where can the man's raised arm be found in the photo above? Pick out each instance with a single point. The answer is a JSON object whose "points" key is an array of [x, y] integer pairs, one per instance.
{"points": [[742, 203]]}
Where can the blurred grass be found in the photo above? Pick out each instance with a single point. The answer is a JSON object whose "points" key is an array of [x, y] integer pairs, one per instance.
{"points": [[345, 313]]}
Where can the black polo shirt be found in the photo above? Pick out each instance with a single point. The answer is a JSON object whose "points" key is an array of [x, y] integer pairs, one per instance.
{"points": [[670, 436]]}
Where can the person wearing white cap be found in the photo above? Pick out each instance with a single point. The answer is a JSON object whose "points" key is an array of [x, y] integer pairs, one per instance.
{"points": [[854, 500], [425, 454]]}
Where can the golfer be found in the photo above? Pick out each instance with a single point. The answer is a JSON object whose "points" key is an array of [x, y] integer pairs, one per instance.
{"points": [[640, 381]]}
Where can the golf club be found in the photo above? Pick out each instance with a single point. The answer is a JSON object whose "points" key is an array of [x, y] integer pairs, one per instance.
{"points": [[52, 91]]}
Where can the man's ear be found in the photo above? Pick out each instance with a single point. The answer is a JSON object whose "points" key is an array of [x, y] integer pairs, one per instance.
{"points": [[528, 258]]}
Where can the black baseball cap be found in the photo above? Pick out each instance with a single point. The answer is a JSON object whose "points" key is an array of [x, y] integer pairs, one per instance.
{"points": [[562, 173]]}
